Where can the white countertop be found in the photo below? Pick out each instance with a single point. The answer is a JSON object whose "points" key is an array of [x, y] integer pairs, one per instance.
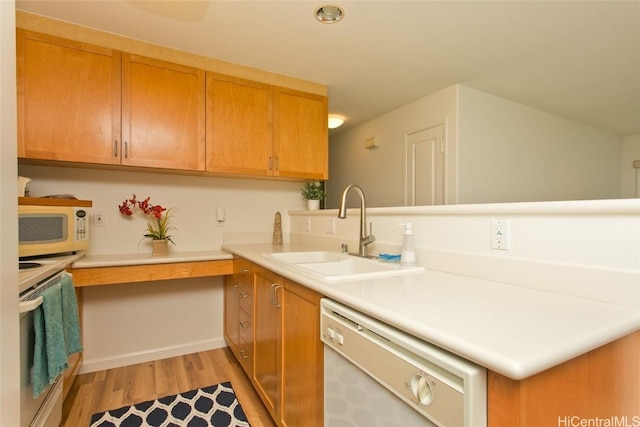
{"points": [[146, 258], [50, 266], [513, 330]]}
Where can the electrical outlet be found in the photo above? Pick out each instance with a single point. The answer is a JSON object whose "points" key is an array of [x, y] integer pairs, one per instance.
{"points": [[331, 226], [98, 219], [307, 224], [500, 235]]}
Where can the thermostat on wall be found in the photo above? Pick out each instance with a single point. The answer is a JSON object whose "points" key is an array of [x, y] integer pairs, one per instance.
{"points": [[371, 143]]}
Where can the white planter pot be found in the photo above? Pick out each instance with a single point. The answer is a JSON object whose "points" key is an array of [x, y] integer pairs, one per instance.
{"points": [[313, 205]]}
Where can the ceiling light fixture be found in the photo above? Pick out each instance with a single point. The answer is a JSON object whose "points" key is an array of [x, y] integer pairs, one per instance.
{"points": [[335, 121], [329, 14]]}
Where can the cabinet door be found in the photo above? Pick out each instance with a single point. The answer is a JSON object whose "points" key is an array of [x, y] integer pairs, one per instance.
{"points": [[603, 383], [68, 100], [302, 358], [266, 375], [300, 135], [163, 116], [239, 123]]}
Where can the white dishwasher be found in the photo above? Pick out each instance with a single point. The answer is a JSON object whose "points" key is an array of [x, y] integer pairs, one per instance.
{"points": [[379, 376]]}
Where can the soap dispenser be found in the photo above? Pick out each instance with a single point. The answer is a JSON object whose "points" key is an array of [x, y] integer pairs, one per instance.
{"points": [[408, 253]]}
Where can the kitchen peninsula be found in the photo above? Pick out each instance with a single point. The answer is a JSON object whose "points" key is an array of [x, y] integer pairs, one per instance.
{"points": [[534, 358]]}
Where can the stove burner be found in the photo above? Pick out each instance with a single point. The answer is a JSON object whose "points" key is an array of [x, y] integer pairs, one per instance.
{"points": [[29, 265]]}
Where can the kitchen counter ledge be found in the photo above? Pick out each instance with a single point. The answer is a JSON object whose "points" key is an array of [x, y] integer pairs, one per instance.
{"points": [[513, 330], [97, 270]]}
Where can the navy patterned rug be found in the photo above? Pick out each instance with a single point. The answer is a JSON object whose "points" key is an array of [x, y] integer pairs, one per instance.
{"points": [[215, 406]]}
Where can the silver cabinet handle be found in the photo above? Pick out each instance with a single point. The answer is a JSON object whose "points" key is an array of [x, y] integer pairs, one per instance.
{"points": [[243, 295], [244, 270], [271, 294], [244, 354], [245, 324], [115, 148], [126, 150], [274, 295], [235, 292]]}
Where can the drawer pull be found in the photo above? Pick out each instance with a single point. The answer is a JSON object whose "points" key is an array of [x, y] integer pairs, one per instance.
{"points": [[244, 354], [244, 270], [244, 295], [245, 324]]}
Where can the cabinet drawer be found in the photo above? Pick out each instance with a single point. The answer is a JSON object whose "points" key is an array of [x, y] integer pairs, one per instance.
{"points": [[243, 269], [245, 356], [246, 326], [245, 350], [245, 298]]}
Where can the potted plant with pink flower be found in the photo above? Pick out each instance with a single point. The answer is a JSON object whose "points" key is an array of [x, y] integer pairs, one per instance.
{"points": [[158, 226]]}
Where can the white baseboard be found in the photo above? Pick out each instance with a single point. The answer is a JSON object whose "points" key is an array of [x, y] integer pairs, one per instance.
{"points": [[93, 365]]}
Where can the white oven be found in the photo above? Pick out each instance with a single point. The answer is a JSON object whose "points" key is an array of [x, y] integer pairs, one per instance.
{"points": [[377, 375], [46, 409]]}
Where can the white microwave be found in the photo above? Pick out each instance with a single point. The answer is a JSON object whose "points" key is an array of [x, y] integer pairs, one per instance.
{"points": [[47, 230]]}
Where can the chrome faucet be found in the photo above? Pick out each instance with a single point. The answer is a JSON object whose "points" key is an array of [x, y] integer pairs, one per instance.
{"points": [[342, 213]]}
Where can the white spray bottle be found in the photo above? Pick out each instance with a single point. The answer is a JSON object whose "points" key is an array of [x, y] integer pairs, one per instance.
{"points": [[408, 253]]}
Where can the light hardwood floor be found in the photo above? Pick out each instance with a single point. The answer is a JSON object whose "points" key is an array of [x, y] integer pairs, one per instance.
{"points": [[103, 390]]}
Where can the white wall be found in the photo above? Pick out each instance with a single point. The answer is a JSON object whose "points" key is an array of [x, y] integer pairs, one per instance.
{"points": [[9, 343], [496, 151], [630, 175], [380, 171], [131, 323], [510, 152]]}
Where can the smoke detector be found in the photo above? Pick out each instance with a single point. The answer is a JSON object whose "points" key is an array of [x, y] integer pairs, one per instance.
{"points": [[329, 14]]}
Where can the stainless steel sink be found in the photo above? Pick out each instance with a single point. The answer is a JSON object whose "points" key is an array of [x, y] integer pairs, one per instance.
{"points": [[336, 267]]}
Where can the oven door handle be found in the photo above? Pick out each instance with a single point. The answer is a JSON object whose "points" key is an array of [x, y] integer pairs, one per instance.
{"points": [[28, 306]]}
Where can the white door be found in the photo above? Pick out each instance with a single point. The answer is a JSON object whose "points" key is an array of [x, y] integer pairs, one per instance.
{"points": [[424, 167]]}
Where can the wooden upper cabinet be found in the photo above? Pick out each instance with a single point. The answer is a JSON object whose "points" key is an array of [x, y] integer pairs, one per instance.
{"points": [[255, 129], [68, 100], [163, 114], [301, 144], [88, 104], [239, 123]]}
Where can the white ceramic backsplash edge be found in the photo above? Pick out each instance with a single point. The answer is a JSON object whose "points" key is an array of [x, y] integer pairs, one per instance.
{"points": [[601, 284], [581, 207], [589, 249]]}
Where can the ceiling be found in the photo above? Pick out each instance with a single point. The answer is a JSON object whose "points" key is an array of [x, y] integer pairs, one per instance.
{"points": [[577, 59]]}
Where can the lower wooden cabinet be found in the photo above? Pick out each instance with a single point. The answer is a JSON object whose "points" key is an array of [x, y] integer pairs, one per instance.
{"points": [[287, 352], [266, 371], [602, 384], [238, 313], [302, 366]]}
